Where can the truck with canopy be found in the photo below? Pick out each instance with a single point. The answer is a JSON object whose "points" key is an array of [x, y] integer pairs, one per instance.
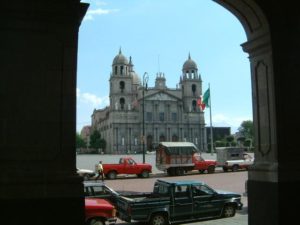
{"points": [[177, 158]]}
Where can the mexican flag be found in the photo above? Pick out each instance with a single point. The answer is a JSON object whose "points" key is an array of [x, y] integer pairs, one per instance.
{"points": [[206, 99]]}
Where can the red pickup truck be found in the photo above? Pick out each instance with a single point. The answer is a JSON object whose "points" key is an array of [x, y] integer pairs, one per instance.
{"points": [[99, 211], [127, 165]]}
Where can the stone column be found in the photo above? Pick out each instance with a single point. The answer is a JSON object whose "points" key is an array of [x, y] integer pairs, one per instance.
{"points": [[38, 179], [263, 175]]}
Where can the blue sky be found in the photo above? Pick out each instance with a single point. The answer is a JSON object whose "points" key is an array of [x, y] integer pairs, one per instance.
{"points": [[159, 35]]}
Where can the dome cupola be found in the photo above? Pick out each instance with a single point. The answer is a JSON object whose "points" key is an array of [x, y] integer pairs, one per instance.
{"points": [[120, 59], [189, 64]]}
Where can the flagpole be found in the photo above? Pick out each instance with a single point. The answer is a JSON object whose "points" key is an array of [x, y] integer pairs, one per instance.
{"points": [[211, 130]]}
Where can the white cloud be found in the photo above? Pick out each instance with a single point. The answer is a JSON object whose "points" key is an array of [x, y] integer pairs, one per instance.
{"points": [[90, 15], [221, 120], [92, 99]]}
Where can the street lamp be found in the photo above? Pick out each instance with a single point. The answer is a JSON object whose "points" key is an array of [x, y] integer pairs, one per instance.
{"points": [[145, 84]]}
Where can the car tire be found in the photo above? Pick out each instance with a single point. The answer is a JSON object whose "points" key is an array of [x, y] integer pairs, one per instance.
{"points": [[235, 168], [179, 172], [144, 174], [112, 175], [158, 219], [225, 169], [96, 222], [228, 210], [201, 171], [86, 176], [211, 169]]}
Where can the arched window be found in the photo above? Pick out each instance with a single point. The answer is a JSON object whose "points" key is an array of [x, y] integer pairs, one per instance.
{"points": [[122, 103], [194, 105], [122, 69], [194, 88], [175, 138], [162, 138], [122, 85], [116, 70]]}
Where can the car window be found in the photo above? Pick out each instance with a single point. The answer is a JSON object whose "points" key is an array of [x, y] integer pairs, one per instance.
{"points": [[87, 191], [99, 190], [182, 191], [200, 190]]}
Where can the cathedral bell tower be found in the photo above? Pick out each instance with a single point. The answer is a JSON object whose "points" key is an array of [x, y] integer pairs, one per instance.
{"points": [[191, 85], [121, 83]]}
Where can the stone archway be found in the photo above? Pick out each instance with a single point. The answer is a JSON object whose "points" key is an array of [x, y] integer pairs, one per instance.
{"points": [[263, 175]]}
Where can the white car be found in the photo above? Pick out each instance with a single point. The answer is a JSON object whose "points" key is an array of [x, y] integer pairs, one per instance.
{"points": [[86, 174]]}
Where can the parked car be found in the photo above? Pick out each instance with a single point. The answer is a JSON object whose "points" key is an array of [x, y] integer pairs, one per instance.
{"points": [[126, 165], [99, 212], [233, 158], [178, 201], [86, 174]]}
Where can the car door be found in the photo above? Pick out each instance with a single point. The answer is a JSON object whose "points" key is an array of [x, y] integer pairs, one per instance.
{"points": [[204, 202], [130, 166], [182, 203]]}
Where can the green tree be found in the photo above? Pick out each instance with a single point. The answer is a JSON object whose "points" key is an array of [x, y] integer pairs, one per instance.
{"points": [[96, 141], [246, 129], [80, 143]]}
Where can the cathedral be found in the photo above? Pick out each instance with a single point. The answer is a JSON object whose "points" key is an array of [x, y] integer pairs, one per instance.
{"points": [[139, 114]]}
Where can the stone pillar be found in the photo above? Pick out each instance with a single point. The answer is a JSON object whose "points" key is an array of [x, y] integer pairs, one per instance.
{"points": [[263, 175], [38, 179]]}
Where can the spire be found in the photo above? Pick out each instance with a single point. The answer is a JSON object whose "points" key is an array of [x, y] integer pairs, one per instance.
{"points": [[120, 51], [189, 55]]}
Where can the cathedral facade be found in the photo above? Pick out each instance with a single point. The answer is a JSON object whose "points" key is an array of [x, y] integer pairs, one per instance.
{"points": [[139, 114]]}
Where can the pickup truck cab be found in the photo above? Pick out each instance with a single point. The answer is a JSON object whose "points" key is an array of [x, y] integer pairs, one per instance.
{"points": [[177, 202], [99, 212], [127, 165]]}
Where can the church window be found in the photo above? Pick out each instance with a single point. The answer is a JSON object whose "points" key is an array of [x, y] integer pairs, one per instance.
{"points": [[161, 116], [122, 103], [194, 88], [149, 116], [175, 138], [193, 74], [194, 105], [122, 69], [116, 70], [135, 141], [122, 85], [174, 116]]}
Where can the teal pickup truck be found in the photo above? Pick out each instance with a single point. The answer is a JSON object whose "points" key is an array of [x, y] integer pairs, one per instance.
{"points": [[178, 201]]}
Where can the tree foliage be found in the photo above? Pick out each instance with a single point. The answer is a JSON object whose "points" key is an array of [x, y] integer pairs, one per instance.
{"points": [[246, 129], [96, 141], [80, 143]]}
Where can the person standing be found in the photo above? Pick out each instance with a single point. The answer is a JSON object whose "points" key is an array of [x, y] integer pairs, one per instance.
{"points": [[100, 171]]}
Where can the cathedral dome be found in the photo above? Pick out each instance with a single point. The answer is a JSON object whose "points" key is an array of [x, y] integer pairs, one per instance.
{"points": [[189, 64], [120, 59], [135, 78]]}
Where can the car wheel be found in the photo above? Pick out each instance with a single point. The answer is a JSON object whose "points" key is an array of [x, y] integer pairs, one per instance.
{"points": [[158, 219], [112, 175], [179, 171], [228, 211], [86, 177], [201, 171], [211, 169], [145, 174], [235, 168], [96, 222], [225, 169]]}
